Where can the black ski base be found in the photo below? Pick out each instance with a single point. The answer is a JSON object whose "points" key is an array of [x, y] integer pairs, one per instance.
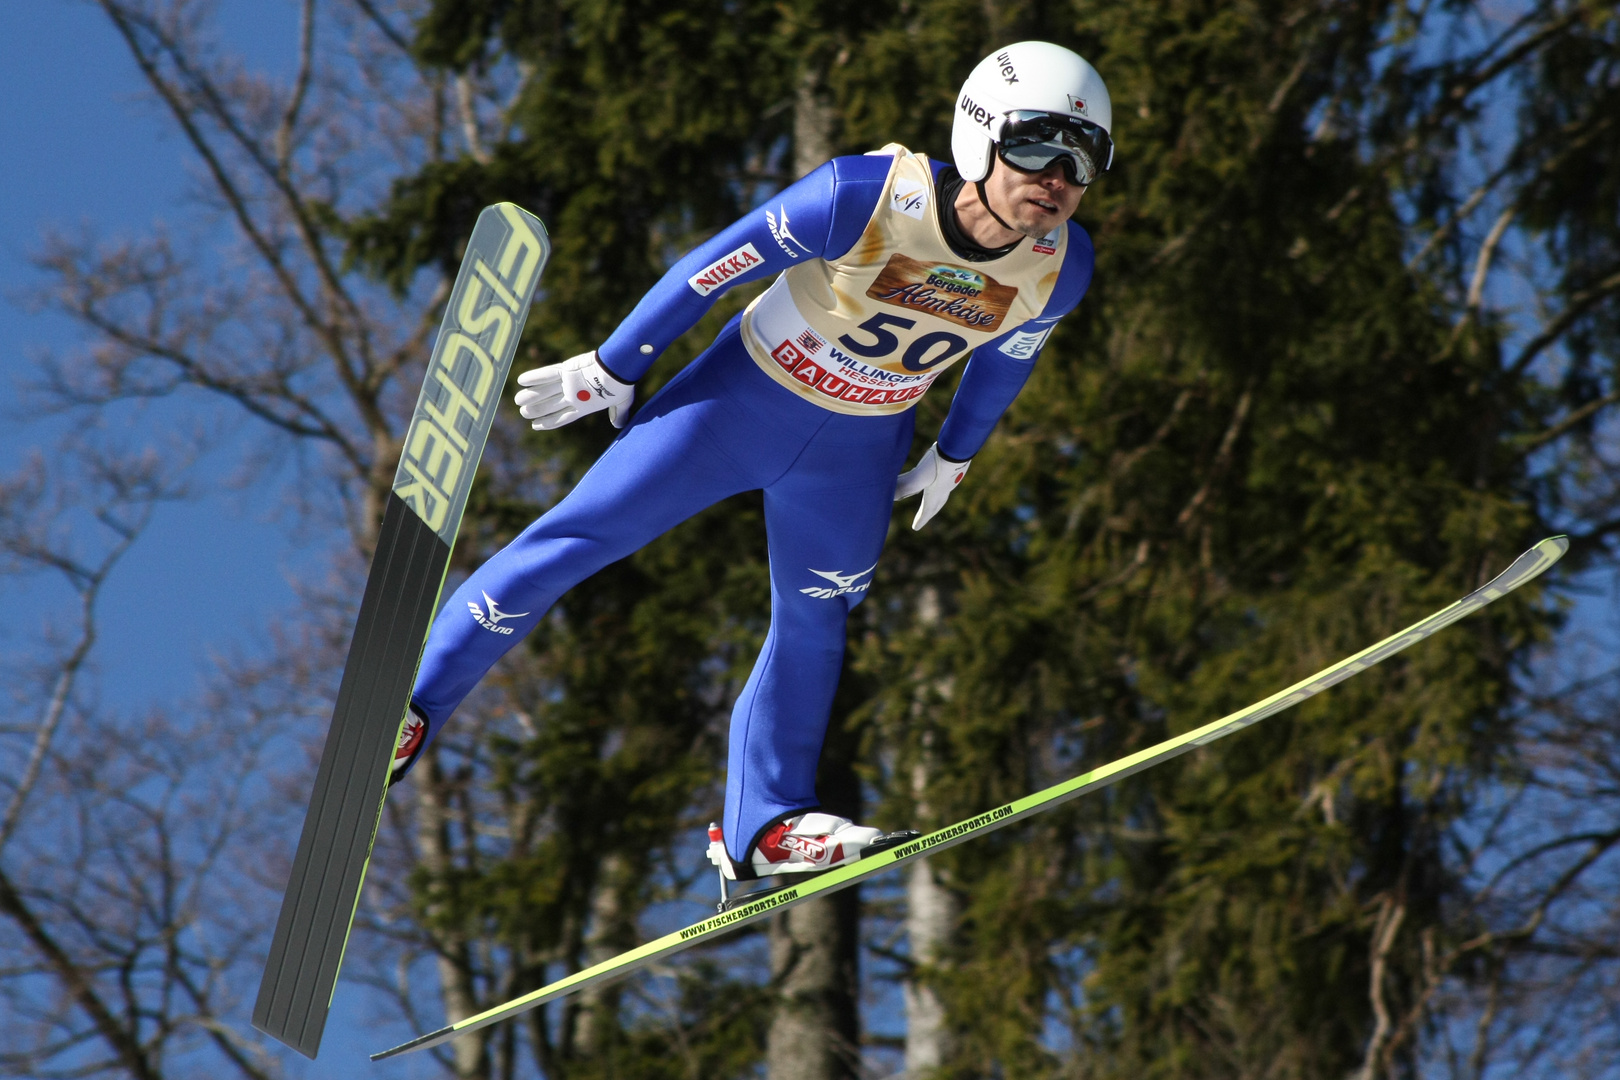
{"points": [[335, 847]]}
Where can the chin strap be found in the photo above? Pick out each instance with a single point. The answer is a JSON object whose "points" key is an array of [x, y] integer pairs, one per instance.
{"points": [[984, 200]]}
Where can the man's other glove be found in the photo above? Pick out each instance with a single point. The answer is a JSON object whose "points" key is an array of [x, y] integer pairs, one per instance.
{"points": [[559, 394], [935, 476]]}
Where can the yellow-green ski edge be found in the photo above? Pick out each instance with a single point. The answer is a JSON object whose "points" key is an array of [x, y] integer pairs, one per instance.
{"points": [[1525, 568]]}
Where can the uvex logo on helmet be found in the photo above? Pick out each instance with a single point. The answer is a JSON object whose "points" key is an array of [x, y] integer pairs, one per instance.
{"points": [[978, 113], [1008, 74]]}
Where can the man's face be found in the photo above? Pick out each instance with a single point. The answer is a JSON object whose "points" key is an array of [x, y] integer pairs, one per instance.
{"points": [[1032, 203]]}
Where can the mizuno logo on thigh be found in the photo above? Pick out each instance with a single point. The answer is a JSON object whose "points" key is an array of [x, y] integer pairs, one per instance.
{"points": [[842, 583]]}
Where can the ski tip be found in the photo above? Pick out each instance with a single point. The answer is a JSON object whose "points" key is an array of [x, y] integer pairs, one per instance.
{"points": [[421, 1042], [1532, 564], [1547, 552]]}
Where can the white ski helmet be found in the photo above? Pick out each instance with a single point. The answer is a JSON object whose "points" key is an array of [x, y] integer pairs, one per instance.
{"points": [[1036, 101]]}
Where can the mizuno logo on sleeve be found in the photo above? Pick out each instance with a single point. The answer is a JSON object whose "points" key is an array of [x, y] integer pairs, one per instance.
{"points": [[495, 616], [780, 233]]}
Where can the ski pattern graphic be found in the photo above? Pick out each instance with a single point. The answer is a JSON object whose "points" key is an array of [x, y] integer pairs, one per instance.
{"points": [[1525, 568], [466, 375]]}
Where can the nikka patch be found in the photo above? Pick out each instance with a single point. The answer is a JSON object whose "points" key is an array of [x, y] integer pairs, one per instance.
{"points": [[958, 294]]}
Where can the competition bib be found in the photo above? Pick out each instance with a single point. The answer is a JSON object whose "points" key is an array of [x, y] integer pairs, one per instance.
{"points": [[869, 331]]}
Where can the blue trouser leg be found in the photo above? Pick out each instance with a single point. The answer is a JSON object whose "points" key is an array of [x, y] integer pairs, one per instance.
{"points": [[829, 513], [692, 445], [720, 428]]}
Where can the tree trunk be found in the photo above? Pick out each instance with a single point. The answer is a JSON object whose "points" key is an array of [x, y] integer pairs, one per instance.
{"points": [[812, 123], [608, 938], [815, 964], [931, 908], [931, 913], [815, 952], [454, 963], [815, 947]]}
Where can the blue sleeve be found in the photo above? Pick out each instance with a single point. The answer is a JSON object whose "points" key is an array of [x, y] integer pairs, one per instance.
{"points": [[821, 215], [998, 369]]}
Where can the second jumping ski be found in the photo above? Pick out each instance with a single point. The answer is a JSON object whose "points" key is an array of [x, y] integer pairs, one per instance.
{"points": [[1525, 568]]}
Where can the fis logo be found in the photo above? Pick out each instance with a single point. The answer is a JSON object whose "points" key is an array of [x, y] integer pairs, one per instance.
{"points": [[723, 269], [1047, 245], [779, 232], [842, 583], [910, 198], [494, 617], [1024, 344]]}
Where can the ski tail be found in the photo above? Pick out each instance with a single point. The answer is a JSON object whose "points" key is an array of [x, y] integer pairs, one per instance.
{"points": [[1525, 568], [341, 825]]}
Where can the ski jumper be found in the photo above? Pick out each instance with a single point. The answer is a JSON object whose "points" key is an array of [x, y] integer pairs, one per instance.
{"points": [[807, 396]]}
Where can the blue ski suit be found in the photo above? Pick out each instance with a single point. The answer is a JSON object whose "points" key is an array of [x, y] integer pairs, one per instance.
{"points": [[722, 426]]}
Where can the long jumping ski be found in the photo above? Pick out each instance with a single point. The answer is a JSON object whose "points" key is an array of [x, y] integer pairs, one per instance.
{"points": [[465, 378], [1525, 568]]}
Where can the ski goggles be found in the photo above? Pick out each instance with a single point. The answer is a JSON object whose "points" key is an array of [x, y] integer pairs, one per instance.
{"points": [[1032, 141]]}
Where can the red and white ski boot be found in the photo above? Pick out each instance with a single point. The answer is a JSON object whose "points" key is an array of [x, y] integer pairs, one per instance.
{"points": [[411, 738], [802, 844]]}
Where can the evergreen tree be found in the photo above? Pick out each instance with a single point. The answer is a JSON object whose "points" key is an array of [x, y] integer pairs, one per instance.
{"points": [[1262, 442], [1272, 433]]}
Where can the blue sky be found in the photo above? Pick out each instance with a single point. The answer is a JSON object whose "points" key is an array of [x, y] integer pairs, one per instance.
{"points": [[81, 145]]}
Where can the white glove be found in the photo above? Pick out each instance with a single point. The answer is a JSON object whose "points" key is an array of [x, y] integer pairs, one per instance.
{"points": [[559, 394], [935, 477]]}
